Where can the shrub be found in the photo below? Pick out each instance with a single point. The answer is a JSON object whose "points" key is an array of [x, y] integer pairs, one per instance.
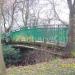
{"points": [[11, 56]]}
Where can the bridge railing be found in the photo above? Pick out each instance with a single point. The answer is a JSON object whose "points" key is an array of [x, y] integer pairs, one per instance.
{"points": [[57, 34]]}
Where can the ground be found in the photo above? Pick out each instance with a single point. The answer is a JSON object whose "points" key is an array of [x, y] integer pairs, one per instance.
{"points": [[54, 67]]}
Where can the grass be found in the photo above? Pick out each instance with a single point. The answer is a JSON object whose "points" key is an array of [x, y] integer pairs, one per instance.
{"points": [[55, 67]]}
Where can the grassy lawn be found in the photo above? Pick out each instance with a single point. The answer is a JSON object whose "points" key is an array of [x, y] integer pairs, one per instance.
{"points": [[55, 67]]}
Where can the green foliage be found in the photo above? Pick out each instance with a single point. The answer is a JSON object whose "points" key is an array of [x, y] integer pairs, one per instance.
{"points": [[5, 38], [11, 55]]}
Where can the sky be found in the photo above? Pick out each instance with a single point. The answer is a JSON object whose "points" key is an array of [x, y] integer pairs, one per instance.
{"points": [[61, 8]]}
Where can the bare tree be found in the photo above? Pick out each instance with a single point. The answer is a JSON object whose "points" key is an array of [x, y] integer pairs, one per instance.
{"points": [[71, 38], [71, 41], [8, 15], [25, 12], [56, 15], [12, 15], [4, 20], [2, 65]]}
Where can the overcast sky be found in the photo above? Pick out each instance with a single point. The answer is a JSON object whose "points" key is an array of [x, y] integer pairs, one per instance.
{"points": [[62, 9]]}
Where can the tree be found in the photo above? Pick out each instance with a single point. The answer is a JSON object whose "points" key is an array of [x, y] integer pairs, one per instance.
{"points": [[71, 40], [2, 65], [25, 12], [8, 14]]}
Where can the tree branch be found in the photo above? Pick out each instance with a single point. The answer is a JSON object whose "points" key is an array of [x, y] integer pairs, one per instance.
{"points": [[57, 16], [70, 4]]}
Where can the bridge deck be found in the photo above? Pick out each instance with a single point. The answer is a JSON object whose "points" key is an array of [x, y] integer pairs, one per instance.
{"points": [[34, 46]]}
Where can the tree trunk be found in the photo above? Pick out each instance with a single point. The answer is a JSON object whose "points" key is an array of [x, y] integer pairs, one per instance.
{"points": [[27, 12], [72, 31], [2, 65], [71, 39]]}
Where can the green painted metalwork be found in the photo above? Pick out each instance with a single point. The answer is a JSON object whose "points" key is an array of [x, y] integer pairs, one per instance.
{"points": [[53, 34]]}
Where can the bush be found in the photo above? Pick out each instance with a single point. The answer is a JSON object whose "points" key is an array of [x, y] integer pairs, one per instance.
{"points": [[11, 56]]}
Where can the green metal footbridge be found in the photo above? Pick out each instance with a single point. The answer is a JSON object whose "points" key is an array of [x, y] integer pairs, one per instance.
{"points": [[50, 38], [57, 34]]}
